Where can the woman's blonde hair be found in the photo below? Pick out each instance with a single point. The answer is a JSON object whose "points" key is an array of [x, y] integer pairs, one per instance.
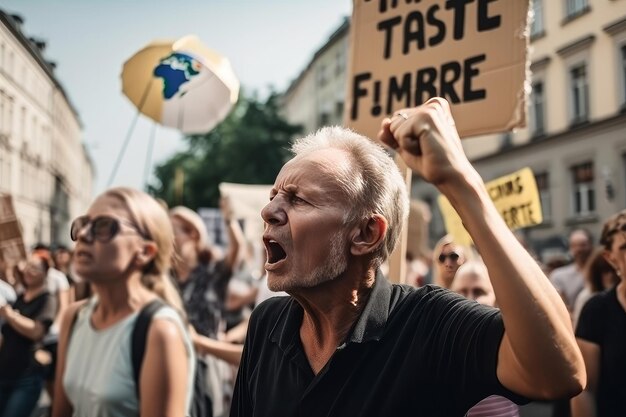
{"points": [[154, 224]]}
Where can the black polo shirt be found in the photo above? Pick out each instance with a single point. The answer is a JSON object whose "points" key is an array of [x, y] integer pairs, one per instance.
{"points": [[412, 352]]}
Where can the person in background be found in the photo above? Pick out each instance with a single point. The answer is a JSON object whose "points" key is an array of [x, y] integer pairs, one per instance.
{"points": [[472, 281], [58, 284], [62, 258], [124, 246], [599, 276], [59, 287], [601, 333], [79, 288], [27, 321], [7, 296], [203, 276], [7, 292], [417, 270], [447, 258], [569, 280]]}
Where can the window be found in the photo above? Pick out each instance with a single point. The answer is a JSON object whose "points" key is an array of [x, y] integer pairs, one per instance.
{"points": [[536, 26], [340, 63], [9, 68], [339, 111], [33, 137], [623, 73], [624, 173], [583, 190], [9, 119], [322, 76], [537, 110], [324, 119], [23, 178], [575, 7], [6, 173], [2, 113], [23, 124], [543, 187], [579, 94]]}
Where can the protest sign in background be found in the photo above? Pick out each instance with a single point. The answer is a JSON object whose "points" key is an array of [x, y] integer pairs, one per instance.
{"points": [[11, 242], [515, 196], [470, 52]]}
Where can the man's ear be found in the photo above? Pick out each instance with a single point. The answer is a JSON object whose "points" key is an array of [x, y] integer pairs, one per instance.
{"points": [[368, 235], [145, 256]]}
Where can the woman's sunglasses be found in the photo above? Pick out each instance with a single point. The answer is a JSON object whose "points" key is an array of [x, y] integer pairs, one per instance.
{"points": [[452, 255], [101, 228]]}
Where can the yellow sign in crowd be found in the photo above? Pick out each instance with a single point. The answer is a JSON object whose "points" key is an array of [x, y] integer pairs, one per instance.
{"points": [[516, 198]]}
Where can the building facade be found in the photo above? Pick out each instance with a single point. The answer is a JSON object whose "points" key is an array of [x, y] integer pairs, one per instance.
{"points": [[575, 141], [316, 97], [44, 165]]}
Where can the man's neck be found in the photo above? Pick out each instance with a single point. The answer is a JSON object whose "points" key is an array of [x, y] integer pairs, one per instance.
{"points": [[330, 311], [580, 264]]}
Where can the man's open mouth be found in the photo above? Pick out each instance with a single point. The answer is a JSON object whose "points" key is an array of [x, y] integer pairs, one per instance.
{"points": [[275, 252]]}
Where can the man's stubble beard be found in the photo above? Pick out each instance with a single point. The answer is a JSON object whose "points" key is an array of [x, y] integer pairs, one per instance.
{"points": [[336, 264]]}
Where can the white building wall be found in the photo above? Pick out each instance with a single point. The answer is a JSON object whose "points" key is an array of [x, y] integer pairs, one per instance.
{"points": [[40, 141]]}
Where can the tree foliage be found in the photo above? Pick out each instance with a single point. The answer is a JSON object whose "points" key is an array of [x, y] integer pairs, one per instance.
{"points": [[248, 147]]}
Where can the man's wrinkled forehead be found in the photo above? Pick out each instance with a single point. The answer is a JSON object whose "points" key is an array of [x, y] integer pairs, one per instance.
{"points": [[334, 163], [327, 168]]}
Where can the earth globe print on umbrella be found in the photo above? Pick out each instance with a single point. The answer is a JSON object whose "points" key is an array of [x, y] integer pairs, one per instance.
{"points": [[181, 84]]}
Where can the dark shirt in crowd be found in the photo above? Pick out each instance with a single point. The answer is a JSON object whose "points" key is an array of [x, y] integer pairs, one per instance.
{"points": [[603, 322], [204, 296], [426, 352], [17, 353]]}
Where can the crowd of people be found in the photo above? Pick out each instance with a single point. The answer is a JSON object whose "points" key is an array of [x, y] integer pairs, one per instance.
{"points": [[136, 318]]}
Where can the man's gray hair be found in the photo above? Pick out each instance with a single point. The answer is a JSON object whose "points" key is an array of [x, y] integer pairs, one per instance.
{"points": [[373, 184]]}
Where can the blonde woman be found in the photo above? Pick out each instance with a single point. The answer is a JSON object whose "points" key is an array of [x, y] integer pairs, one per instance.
{"points": [[447, 258], [123, 249]]}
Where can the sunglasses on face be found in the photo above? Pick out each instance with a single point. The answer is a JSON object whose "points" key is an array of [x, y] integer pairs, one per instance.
{"points": [[101, 228], [452, 255]]}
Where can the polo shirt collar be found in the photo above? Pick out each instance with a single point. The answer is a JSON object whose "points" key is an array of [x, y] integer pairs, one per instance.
{"points": [[370, 325]]}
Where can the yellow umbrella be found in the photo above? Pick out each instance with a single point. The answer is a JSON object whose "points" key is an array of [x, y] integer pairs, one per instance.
{"points": [[181, 84]]}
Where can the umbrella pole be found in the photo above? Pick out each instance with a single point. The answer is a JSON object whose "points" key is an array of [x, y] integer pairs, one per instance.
{"points": [[120, 155], [148, 163]]}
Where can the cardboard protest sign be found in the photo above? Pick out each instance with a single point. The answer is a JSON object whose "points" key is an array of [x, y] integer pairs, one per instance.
{"points": [[515, 196], [247, 201], [473, 53], [11, 242]]}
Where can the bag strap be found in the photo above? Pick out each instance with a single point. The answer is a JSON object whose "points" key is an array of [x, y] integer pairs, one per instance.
{"points": [[139, 336], [70, 330]]}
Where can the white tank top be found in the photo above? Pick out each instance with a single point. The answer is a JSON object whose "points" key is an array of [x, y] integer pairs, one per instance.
{"points": [[98, 378]]}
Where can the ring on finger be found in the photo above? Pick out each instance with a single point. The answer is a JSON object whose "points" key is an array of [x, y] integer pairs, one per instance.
{"points": [[403, 115]]}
